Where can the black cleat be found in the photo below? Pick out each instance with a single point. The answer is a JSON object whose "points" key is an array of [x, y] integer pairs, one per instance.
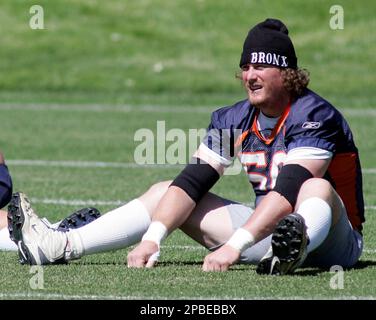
{"points": [[79, 219], [289, 245]]}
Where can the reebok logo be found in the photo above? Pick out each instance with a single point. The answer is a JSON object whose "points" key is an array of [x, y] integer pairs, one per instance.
{"points": [[311, 125]]}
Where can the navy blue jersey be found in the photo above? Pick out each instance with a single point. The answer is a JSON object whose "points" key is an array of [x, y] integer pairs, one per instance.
{"points": [[309, 122]]}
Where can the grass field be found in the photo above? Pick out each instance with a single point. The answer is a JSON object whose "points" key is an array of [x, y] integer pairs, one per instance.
{"points": [[73, 95]]}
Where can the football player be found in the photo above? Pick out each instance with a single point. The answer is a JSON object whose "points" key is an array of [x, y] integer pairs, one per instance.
{"points": [[300, 158]]}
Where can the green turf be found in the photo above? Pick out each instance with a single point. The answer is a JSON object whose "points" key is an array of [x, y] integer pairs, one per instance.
{"points": [[81, 88], [179, 274], [111, 51]]}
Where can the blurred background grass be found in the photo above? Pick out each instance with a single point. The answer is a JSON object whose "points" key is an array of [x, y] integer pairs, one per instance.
{"points": [[175, 52]]}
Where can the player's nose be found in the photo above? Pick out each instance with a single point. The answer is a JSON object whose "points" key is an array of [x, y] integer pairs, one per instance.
{"points": [[249, 74]]}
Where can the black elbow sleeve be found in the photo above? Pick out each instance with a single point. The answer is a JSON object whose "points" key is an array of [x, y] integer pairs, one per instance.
{"points": [[196, 179], [289, 181]]}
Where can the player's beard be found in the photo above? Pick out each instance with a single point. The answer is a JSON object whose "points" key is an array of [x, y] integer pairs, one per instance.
{"points": [[269, 102], [256, 97]]}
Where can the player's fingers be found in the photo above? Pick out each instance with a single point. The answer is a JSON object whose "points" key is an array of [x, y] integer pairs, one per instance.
{"points": [[206, 265], [215, 267], [210, 265], [131, 258], [153, 259], [139, 263], [224, 267], [129, 261], [136, 261]]}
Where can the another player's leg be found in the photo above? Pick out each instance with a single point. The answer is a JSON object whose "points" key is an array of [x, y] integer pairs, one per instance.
{"points": [[298, 234], [119, 228], [5, 195], [5, 242]]}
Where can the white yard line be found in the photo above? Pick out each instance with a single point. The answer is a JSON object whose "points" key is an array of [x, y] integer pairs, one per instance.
{"points": [[103, 164], [78, 202], [184, 247], [108, 108], [351, 112], [86, 164], [369, 250], [90, 202]]}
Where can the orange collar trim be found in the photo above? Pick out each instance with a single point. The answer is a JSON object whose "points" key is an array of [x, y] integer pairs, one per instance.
{"points": [[276, 129]]}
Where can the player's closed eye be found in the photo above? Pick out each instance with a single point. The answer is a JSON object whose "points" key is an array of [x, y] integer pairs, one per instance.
{"points": [[259, 66]]}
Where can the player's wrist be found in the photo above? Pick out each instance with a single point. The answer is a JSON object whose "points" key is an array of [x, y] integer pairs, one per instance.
{"points": [[156, 232], [241, 240]]}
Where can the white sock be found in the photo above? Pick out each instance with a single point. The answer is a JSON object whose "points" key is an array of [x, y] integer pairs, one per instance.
{"points": [[116, 229], [318, 219], [5, 242]]}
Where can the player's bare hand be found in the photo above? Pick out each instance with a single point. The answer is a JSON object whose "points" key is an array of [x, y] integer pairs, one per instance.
{"points": [[144, 255], [221, 259]]}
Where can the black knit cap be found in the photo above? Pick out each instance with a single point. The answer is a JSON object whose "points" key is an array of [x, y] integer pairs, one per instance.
{"points": [[268, 43]]}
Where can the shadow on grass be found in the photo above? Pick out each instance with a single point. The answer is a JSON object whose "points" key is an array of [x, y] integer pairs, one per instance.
{"points": [[305, 271], [309, 271], [179, 263], [160, 264], [362, 264]]}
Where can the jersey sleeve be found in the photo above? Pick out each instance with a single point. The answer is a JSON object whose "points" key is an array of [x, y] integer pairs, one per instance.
{"points": [[224, 130], [308, 153]]}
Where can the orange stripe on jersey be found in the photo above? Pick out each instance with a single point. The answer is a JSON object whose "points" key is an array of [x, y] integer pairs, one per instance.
{"points": [[276, 129], [241, 138], [343, 171]]}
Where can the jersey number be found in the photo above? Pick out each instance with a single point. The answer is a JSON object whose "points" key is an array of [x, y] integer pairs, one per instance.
{"points": [[266, 177]]}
